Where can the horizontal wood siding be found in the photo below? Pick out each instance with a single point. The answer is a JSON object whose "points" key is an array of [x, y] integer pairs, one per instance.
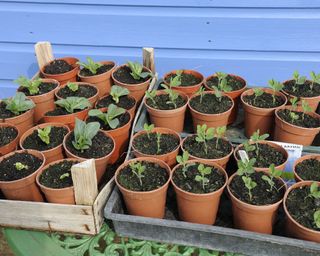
{"points": [[258, 40]]}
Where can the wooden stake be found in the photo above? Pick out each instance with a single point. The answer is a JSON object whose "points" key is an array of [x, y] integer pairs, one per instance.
{"points": [[44, 53], [148, 58], [85, 182]]}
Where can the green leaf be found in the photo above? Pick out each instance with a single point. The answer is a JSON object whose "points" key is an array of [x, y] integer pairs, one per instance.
{"points": [[70, 104], [198, 178], [73, 86], [117, 92], [20, 166], [316, 217], [136, 70], [19, 103], [44, 134], [91, 65], [31, 85]]}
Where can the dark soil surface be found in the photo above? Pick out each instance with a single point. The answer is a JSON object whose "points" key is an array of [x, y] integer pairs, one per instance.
{"points": [[4, 113], [8, 171], [233, 82], [154, 177], [302, 90], [58, 111], [103, 69], [189, 184], [210, 104], [7, 134], [102, 145], [146, 145], [302, 207], [309, 169], [57, 67], [263, 101], [84, 90], [43, 88], [123, 75], [124, 102], [56, 138], [261, 194], [186, 79], [267, 155], [123, 119], [197, 149], [51, 176], [161, 102], [306, 122]]}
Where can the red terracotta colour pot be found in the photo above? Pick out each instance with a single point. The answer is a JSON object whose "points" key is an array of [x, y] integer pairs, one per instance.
{"points": [[136, 90], [255, 218], [103, 81], [172, 119], [295, 229], [300, 160], [169, 158], [70, 76], [259, 118], [188, 90], [290, 133], [199, 208], [147, 203], [12, 145], [24, 189], [235, 95], [211, 120], [53, 154]]}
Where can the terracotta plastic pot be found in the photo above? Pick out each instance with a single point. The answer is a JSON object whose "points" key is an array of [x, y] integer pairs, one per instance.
{"points": [[92, 99], [12, 145], [199, 208], [101, 163], [169, 158], [211, 120], [53, 154], [295, 229], [70, 76], [172, 119], [103, 81], [255, 218], [290, 133], [147, 203], [259, 118], [188, 90], [24, 189], [220, 161], [136, 90], [57, 195], [275, 146], [235, 95], [301, 159]]}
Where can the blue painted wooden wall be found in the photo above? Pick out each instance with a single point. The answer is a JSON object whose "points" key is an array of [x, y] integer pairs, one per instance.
{"points": [[258, 40]]}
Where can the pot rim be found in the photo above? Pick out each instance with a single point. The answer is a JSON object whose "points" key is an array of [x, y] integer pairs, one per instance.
{"points": [[78, 83], [233, 75], [11, 126], [44, 80], [103, 62], [126, 65], [300, 98], [28, 112], [300, 160], [63, 58], [183, 70]]}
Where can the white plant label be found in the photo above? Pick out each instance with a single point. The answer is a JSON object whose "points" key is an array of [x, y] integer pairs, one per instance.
{"points": [[243, 155]]}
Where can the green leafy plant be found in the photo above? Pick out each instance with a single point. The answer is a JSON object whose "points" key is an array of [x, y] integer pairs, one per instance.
{"points": [[44, 134], [257, 93], [203, 135], [306, 108], [70, 104], [217, 93], [248, 147], [276, 87], [183, 161], [20, 166], [203, 172], [314, 191], [176, 81], [136, 70], [148, 129], [256, 137], [294, 103], [84, 133], [110, 117], [73, 86], [31, 85], [315, 78], [299, 80], [173, 96], [138, 169], [91, 65], [65, 175], [18, 103], [246, 167], [158, 142], [200, 92], [117, 92], [293, 117], [273, 173], [220, 131], [151, 95], [316, 217], [249, 184], [222, 82]]}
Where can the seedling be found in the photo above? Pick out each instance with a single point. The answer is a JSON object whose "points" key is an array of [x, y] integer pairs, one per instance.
{"points": [[20, 166], [257, 93], [65, 175], [110, 117], [84, 133], [222, 82], [250, 185], [148, 129], [256, 137], [201, 93], [173, 96], [158, 142], [315, 78], [273, 173], [73, 86], [91, 65], [136, 70], [314, 191], [299, 80], [203, 172], [151, 95], [293, 117], [248, 147], [276, 87], [44, 134], [306, 108], [294, 103], [138, 170], [316, 217], [218, 93], [18, 104], [204, 135], [220, 131], [31, 85], [176, 81], [70, 104], [246, 167], [183, 161], [117, 92]]}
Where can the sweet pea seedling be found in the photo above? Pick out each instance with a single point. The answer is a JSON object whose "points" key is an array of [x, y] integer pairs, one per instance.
{"points": [[246, 167], [256, 137], [91, 65], [222, 82], [158, 142], [70, 104], [136, 70], [204, 135], [218, 93], [249, 184], [203, 172], [138, 170], [315, 78], [316, 217], [306, 108], [293, 117], [65, 175], [18, 103], [314, 191], [201, 93], [173, 96], [110, 117], [257, 93], [248, 147], [273, 173], [44, 134], [117, 92], [183, 161], [299, 80], [148, 129], [220, 131], [73, 86], [176, 81], [20, 166], [31, 85], [151, 95], [276, 87]]}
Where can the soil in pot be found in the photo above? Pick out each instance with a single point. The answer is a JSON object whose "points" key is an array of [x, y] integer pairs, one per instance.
{"points": [[57, 67], [304, 120], [187, 79], [154, 176], [86, 91], [309, 169], [301, 90], [123, 75], [123, 119], [43, 88], [56, 138], [188, 183], [124, 102], [58, 111], [211, 104], [263, 101], [5, 113], [232, 81], [161, 102], [103, 69], [8, 171], [7, 134]]}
